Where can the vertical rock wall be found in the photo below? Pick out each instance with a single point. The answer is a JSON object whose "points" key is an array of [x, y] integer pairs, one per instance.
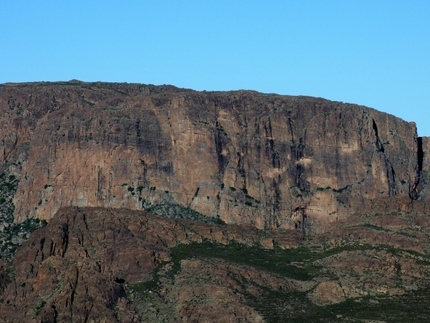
{"points": [[246, 157]]}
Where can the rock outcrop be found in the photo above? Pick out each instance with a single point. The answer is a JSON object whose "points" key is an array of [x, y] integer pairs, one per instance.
{"points": [[248, 158], [75, 268], [118, 265]]}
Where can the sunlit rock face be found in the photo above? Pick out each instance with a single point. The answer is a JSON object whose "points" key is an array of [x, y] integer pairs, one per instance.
{"points": [[248, 158]]}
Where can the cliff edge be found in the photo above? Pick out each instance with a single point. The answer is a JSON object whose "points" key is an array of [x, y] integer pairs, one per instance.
{"points": [[244, 157]]}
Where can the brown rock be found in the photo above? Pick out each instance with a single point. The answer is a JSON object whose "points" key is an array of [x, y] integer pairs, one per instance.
{"points": [[326, 293], [263, 160], [118, 265], [267, 243], [75, 268]]}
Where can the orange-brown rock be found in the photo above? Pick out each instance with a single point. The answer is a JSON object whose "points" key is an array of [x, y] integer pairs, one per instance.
{"points": [[265, 160]]}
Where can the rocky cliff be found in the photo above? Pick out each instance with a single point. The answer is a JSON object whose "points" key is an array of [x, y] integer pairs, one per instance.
{"points": [[245, 157], [258, 207]]}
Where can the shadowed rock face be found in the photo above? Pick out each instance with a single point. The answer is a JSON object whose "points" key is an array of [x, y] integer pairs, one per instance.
{"points": [[250, 158]]}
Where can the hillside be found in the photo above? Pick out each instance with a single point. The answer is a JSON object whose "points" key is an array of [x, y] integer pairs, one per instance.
{"points": [[106, 265]]}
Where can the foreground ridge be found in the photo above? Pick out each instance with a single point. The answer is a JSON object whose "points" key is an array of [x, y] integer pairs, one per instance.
{"points": [[117, 265]]}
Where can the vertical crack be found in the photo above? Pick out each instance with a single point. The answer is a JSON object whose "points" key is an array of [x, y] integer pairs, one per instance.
{"points": [[390, 173], [219, 147], [420, 153], [378, 141], [413, 192], [74, 287], [65, 238]]}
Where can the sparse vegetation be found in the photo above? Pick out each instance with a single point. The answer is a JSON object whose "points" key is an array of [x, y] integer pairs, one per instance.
{"points": [[278, 261], [39, 308], [322, 189], [177, 211], [295, 306], [340, 190], [16, 234]]}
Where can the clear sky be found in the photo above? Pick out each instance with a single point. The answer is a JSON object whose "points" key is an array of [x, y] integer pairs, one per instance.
{"points": [[374, 53]]}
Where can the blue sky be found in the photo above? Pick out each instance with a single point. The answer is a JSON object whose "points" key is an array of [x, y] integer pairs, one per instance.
{"points": [[374, 53]]}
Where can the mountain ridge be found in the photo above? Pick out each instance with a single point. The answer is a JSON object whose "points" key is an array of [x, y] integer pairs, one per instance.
{"points": [[132, 203]]}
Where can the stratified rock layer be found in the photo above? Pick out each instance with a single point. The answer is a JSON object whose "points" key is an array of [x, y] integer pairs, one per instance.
{"points": [[249, 158]]}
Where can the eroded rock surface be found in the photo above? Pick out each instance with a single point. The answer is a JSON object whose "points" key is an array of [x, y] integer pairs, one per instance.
{"points": [[248, 158], [73, 269], [118, 265]]}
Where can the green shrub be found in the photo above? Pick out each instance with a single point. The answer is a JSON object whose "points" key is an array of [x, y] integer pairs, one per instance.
{"points": [[40, 307]]}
